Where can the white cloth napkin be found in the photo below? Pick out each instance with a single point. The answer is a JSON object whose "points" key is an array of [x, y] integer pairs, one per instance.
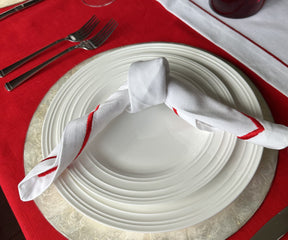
{"points": [[6, 3], [149, 84], [259, 41]]}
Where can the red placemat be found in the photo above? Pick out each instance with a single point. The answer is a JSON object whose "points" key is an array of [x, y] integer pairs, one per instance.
{"points": [[139, 21]]}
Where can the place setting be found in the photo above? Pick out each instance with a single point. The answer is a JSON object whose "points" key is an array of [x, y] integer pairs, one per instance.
{"points": [[181, 176], [149, 140]]}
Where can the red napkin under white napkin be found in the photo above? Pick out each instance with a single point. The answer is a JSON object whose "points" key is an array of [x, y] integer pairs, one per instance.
{"points": [[149, 84]]}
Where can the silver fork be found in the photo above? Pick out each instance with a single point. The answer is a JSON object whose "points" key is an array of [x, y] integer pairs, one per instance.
{"points": [[89, 44], [77, 36]]}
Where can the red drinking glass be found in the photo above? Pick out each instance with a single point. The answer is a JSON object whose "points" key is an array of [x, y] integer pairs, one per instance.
{"points": [[236, 8]]}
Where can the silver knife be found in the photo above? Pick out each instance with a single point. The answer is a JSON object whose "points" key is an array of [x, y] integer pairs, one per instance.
{"points": [[19, 8], [275, 229]]}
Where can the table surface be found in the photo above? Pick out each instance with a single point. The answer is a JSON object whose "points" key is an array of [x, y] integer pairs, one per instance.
{"points": [[139, 22]]}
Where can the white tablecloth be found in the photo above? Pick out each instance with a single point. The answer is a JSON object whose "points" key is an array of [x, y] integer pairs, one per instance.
{"points": [[259, 42]]}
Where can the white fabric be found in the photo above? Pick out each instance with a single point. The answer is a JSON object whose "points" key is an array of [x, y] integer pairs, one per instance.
{"points": [[5, 3], [148, 84], [267, 30]]}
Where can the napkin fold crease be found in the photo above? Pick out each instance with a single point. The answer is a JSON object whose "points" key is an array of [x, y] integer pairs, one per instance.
{"points": [[149, 84]]}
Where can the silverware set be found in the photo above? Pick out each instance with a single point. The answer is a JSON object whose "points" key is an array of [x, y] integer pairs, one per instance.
{"points": [[80, 36]]}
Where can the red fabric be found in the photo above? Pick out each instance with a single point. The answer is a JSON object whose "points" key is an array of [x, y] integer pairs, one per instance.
{"points": [[48, 171], [139, 21], [175, 111], [259, 129], [88, 130]]}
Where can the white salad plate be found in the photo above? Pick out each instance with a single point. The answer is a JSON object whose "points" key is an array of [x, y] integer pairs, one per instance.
{"points": [[151, 171]]}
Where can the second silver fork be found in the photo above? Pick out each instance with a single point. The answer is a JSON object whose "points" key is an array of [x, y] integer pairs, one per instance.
{"points": [[77, 36]]}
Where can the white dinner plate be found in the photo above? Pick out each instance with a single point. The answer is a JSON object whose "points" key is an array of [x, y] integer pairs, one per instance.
{"points": [[156, 173], [132, 174]]}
